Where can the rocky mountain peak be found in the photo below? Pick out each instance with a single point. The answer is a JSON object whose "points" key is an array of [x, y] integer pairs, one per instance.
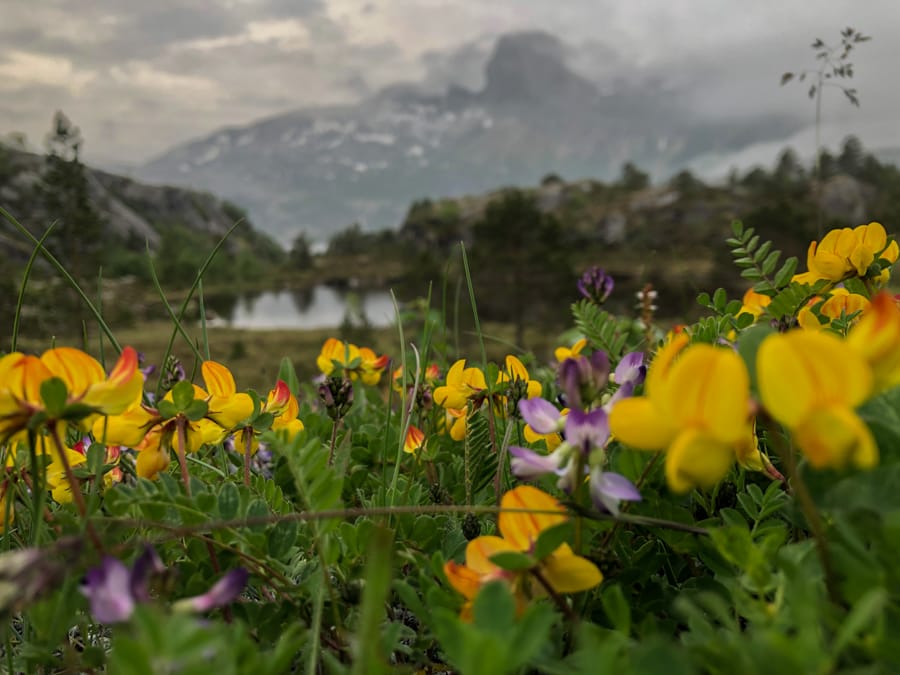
{"points": [[531, 66]]}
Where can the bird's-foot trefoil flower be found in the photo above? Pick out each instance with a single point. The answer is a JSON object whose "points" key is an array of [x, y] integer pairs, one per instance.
{"points": [[811, 382], [526, 512], [695, 407]]}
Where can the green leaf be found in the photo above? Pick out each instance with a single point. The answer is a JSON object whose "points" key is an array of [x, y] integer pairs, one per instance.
{"points": [[762, 251], [288, 375], [616, 607], [752, 274], [748, 346], [167, 409], [737, 228], [552, 538], [771, 260], [783, 277], [182, 395], [281, 538], [719, 299], [494, 608], [263, 422], [196, 410], [865, 611], [54, 395], [513, 561], [367, 651], [229, 501]]}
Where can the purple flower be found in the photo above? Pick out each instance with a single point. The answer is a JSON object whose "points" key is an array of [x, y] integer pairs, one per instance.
{"points": [[608, 489], [631, 369], [113, 590], [595, 285], [542, 416], [583, 379], [108, 588], [222, 593], [528, 464], [587, 430]]}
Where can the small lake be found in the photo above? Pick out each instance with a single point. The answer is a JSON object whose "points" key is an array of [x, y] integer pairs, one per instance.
{"points": [[317, 307]]}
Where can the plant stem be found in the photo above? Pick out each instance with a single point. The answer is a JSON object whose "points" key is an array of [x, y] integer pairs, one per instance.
{"points": [[813, 518], [559, 600], [334, 432], [75, 488], [248, 432], [181, 444]]}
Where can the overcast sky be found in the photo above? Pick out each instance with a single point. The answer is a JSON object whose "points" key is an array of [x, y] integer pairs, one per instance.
{"points": [[138, 76]]}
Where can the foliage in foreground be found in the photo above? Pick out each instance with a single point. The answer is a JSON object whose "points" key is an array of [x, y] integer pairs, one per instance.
{"points": [[717, 499]]}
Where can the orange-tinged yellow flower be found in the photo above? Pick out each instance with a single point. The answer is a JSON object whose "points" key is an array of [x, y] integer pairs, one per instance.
{"points": [[21, 377], [57, 480], [695, 407], [357, 363], [526, 511], [840, 302], [227, 407], [563, 353], [462, 385], [154, 436], [876, 337], [810, 382], [754, 303], [415, 439], [430, 376], [284, 407]]}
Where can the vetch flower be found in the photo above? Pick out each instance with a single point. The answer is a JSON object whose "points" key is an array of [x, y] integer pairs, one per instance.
{"points": [[695, 407], [114, 591], [596, 285], [811, 381]]}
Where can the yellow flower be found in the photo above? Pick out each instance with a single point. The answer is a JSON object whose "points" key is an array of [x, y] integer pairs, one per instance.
{"points": [[357, 363], [563, 353], [515, 371], [227, 407], [847, 252], [840, 302], [58, 482], [462, 385], [876, 337], [6, 505], [810, 382], [754, 303], [552, 440], [695, 407], [562, 570], [154, 436], [86, 384], [415, 439]]}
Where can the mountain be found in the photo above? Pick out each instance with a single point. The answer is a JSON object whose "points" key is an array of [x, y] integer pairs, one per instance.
{"points": [[134, 216], [320, 169]]}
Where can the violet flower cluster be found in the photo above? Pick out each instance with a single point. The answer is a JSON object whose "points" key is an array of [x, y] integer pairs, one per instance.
{"points": [[585, 429], [114, 591]]}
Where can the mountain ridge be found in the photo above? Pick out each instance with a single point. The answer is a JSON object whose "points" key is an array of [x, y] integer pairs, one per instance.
{"points": [[319, 169]]}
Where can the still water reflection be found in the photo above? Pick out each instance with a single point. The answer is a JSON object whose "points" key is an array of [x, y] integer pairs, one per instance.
{"points": [[317, 307]]}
